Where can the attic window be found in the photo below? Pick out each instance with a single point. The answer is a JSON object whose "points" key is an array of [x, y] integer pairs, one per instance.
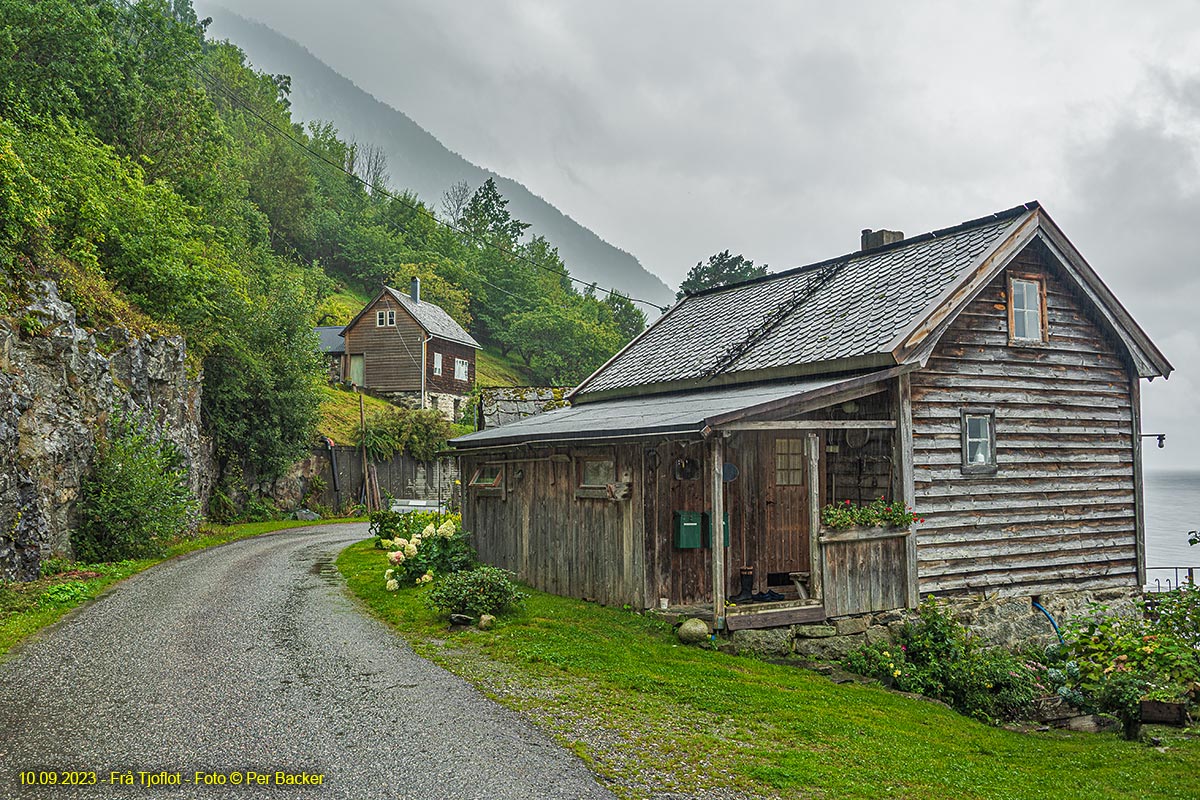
{"points": [[385, 318], [978, 440], [1026, 309]]}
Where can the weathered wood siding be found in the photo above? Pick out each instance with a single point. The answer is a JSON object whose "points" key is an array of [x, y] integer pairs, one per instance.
{"points": [[392, 354], [535, 526], [864, 570], [682, 576], [1059, 511], [446, 382]]}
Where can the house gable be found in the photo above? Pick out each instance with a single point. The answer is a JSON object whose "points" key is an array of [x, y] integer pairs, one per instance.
{"points": [[1058, 506], [391, 354]]}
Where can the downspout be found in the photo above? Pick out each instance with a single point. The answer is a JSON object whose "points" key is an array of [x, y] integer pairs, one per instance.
{"points": [[424, 365]]}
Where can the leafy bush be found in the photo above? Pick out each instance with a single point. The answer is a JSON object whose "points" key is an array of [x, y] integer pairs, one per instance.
{"points": [[420, 432], [483, 590], [1110, 662], [880, 512], [137, 496], [417, 554], [936, 656]]}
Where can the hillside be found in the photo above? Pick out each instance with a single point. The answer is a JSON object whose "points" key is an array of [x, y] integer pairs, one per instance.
{"points": [[419, 162]]}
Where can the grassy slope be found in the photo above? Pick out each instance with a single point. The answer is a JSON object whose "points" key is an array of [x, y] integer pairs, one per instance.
{"points": [[649, 715], [339, 413], [493, 369], [26, 608]]}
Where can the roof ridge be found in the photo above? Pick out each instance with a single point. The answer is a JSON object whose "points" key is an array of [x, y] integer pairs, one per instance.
{"points": [[999, 216]]}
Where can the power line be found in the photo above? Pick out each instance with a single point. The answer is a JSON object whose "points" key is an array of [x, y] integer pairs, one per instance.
{"points": [[234, 97]]}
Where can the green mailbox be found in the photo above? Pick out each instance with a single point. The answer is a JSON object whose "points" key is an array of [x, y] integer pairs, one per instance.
{"points": [[689, 526], [706, 525]]}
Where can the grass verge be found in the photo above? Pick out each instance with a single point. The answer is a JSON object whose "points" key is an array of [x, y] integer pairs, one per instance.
{"points": [[652, 717], [26, 608]]}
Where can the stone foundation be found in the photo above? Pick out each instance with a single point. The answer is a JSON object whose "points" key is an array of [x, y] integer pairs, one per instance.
{"points": [[1005, 621]]}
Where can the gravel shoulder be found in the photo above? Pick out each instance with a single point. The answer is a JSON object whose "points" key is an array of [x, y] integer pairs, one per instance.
{"points": [[250, 657]]}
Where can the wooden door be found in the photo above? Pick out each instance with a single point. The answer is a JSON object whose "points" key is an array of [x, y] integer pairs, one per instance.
{"points": [[358, 370], [786, 497]]}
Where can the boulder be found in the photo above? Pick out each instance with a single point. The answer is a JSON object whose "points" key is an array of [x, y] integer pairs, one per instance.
{"points": [[306, 515], [693, 631], [763, 643], [849, 625], [486, 622]]}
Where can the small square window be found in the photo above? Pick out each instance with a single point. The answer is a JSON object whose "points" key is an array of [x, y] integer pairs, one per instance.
{"points": [[597, 472], [789, 462], [978, 440], [1026, 310], [461, 369], [488, 476], [437, 363]]}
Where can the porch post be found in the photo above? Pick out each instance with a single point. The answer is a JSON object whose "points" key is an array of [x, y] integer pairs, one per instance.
{"points": [[812, 445], [717, 526], [904, 475]]}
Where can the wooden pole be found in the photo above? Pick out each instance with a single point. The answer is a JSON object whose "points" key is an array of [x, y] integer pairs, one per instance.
{"points": [[816, 560], [362, 421], [907, 489], [717, 456]]}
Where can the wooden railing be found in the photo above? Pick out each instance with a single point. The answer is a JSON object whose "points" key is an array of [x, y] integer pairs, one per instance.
{"points": [[864, 569]]}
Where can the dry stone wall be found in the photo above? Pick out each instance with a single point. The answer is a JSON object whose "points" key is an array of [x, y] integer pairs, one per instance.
{"points": [[58, 383]]}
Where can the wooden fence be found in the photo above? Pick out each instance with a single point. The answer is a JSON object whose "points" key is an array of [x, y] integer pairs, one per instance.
{"points": [[401, 477]]}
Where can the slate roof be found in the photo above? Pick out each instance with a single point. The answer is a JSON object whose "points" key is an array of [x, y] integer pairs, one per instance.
{"points": [[849, 307], [331, 339], [681, 413], [434, 319]]}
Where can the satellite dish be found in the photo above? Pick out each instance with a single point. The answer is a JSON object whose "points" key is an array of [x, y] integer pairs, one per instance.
{"points": [[729, 472]]}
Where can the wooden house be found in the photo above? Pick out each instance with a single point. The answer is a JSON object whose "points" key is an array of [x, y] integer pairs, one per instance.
{"points": [[406, 348], [983, 374]]}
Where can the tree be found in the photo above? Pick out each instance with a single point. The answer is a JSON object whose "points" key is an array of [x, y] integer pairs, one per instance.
{"points": [[722, 269], [454, 201], [629, 319]]}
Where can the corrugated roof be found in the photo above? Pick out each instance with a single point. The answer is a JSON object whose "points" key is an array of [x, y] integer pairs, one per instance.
{"points": [[434, 319], [849, 307], [679, 413], [331, 339]]}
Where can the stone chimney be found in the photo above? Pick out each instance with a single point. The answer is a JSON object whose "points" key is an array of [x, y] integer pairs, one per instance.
{"points": [[414, 287], [872, 239]]}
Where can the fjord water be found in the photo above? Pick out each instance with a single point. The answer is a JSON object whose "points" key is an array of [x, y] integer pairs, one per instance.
{"points": [[1172, 509]]}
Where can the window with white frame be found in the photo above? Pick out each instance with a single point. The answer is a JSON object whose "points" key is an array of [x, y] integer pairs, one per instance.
{"points": [[978, 440], [461, 369], [1026, 310], [391, 318], [380, 319], [437, 363]]}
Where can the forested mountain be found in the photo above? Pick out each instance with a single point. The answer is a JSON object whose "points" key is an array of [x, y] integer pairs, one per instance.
{"points": [[419, 162], [164, 185]]}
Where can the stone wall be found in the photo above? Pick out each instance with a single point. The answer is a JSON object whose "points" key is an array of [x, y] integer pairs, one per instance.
{"points": [[1006, 621], [58, 384]]}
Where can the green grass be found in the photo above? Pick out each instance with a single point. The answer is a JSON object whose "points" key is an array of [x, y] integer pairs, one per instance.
{"points": [[26, 608], [493, 369], [339, 413], [651, 716]]}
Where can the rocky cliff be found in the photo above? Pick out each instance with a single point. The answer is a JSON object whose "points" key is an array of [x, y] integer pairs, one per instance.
{"points": [[58, 384]]}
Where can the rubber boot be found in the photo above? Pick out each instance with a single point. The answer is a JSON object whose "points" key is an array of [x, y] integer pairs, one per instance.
{"points": [[747, 577]]}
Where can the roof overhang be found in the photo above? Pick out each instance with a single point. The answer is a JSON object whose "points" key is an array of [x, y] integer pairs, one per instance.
{"points": [[683, 414]]}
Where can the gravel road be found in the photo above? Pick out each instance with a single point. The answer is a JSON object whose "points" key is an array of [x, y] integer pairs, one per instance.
{"points": [[251, 658]]}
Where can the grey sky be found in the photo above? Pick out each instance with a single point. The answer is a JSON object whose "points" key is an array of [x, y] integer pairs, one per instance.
{"points": [[779, 130]]}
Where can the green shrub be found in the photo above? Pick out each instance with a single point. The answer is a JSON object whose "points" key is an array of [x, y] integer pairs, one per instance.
{"points": [[137, 496], [1111, 661], [934, 655], [421, 545], [483, 590], [420, 432]]}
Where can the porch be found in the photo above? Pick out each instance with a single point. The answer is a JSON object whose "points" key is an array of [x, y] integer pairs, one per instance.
{"points": [[759, 482]]}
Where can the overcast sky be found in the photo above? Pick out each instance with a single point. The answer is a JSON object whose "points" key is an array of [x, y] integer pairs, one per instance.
{"points": [[780, 129]]}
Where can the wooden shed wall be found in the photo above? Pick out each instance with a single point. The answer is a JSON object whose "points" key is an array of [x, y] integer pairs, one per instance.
{"points": [[536, 527], [446, 382], [392, 354], [1059, 512]]}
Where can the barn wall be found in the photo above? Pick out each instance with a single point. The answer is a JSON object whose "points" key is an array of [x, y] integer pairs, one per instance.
{"points": [[392, 354], [535, 526], [1059, 512]]}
